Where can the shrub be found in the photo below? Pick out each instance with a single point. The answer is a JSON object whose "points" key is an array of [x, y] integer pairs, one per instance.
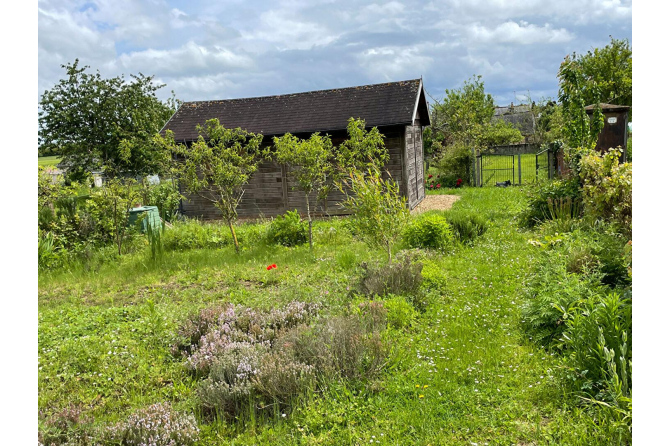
{"points": [[456, 162], [157, 425], [342, 346], [542, 194], [165, 196], [553, 294], [401, 278], [429, 231], [401, 314], [608, 188], [257, 360], [288, 230], [67, 426], [466, 226]]}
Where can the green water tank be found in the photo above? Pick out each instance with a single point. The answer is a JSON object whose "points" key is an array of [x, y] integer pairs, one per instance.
{"points": [[148, 214]]}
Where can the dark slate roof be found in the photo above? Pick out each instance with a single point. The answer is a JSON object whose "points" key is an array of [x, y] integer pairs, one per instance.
{"points": [[520, 116], [313, 111]]}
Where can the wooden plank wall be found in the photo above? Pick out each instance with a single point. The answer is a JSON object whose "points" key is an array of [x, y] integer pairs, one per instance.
{"points": [[414, 164], [271, 191]]}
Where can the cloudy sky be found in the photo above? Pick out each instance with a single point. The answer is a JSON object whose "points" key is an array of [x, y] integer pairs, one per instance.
{"points": [[241, 48]]}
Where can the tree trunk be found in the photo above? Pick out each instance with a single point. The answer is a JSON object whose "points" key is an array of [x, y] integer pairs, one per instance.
{"points": [[388, 250], [309, 220], [232, 231]]}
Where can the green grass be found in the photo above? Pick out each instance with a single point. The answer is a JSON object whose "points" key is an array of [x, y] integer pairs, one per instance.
{"points": [[48, 160], [463, 373]]}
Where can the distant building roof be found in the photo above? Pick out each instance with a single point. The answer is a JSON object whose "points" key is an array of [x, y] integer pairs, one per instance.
{"points": [[520, 116], [313, 111]]}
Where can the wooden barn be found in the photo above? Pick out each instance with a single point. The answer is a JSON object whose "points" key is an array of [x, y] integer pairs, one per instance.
{"points": [[398, 109]]}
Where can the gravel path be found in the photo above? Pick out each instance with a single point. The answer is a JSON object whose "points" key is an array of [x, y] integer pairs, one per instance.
{"points": [[435, 202]]}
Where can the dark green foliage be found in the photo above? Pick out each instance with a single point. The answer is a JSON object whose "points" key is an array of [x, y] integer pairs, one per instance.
{"points": [[400, 278], [97, 123], [288, 230], [466, 226], [604, 75], [456, 161], [541, 194], [429, 231]]}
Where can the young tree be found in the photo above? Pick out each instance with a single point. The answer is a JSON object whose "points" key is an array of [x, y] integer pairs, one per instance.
{"points": [[97, 123], [309, 163], [219, 165], [464, 121], [380, 211], [363, 150], [114, 201]]}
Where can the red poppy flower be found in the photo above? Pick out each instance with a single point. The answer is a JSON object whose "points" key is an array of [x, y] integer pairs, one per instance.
{"points": [[430, 176], [269, 267], [274, 265]]}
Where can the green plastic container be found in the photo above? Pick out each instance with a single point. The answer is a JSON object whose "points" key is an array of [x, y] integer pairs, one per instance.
{"points": [[148, 214]]}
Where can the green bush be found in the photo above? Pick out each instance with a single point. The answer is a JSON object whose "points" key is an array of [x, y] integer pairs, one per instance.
{"points": [[456, 162], [608, 188], [288, 230], [400, 313], [466, 226], [429, 231], [545, 193], [165, 196], [552, 295]]}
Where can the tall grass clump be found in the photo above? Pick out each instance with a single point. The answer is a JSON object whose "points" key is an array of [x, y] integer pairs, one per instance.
{"points": [[429, 231], [544, 194], [466, 226], [400, 278]]}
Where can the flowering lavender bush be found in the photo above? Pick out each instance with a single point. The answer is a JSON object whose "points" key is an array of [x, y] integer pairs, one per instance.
{"points": [[267, 359], [209, 335], [156, 425]]}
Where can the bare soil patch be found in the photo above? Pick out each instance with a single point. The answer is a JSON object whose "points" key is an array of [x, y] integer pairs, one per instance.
{"points": [[435, 203]]}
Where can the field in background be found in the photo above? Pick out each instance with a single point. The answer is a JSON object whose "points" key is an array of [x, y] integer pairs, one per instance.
{"points": [[48, 160]]}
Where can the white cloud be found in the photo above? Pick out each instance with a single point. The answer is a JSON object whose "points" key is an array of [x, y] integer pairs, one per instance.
{"points": [[185, 60], [521, 33], [394, 63]]}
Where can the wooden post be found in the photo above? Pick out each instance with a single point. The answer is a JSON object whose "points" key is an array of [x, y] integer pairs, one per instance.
{"points": [[284, 185], [519, 155], [474, 168]]}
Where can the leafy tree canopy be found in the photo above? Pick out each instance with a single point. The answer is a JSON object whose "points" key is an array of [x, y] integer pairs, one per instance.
{"points": [[109, 124], [604, 75], [465, 116]]}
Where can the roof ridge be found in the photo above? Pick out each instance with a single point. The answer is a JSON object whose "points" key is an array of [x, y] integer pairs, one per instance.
{"points": [[302, 92]]}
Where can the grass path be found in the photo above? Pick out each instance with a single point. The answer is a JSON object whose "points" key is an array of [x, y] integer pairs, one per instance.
{"points": [[463, 374]]}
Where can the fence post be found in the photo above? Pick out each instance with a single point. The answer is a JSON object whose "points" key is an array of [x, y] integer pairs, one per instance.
{"points": [[474, 167], [519, 163]]}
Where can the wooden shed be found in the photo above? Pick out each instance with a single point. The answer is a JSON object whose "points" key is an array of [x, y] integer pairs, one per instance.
{"points": [[615, 128], [398, 109]]}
